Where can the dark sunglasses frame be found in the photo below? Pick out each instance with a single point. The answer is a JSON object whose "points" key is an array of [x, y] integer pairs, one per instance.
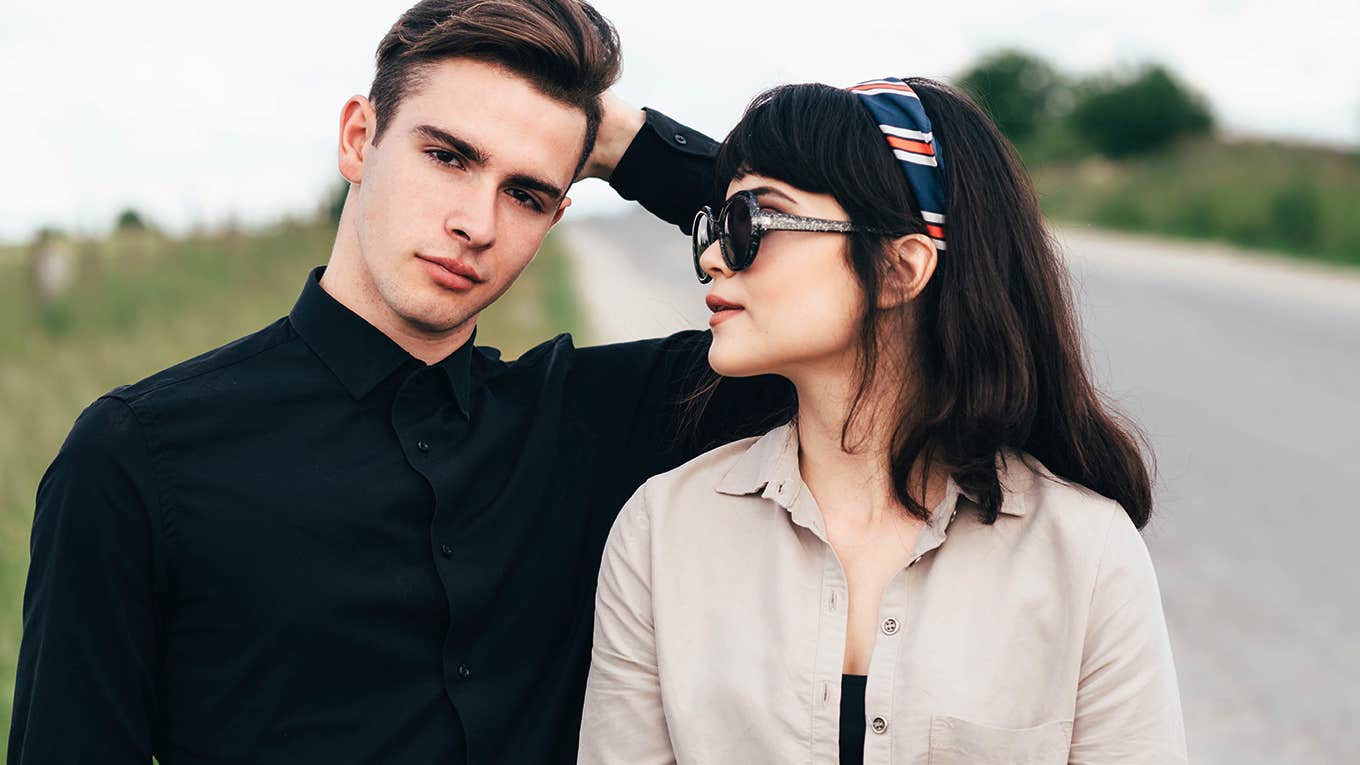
{"points": [[707, 227]]}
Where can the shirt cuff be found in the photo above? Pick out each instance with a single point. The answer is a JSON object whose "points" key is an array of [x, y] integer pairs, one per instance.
{"points": [[668, 169]]}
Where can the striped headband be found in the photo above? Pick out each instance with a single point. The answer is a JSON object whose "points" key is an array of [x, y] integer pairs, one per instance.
{"points": [[900, 115]]}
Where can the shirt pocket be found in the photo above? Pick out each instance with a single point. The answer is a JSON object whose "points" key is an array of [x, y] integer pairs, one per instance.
{"points": [[954, 741]]}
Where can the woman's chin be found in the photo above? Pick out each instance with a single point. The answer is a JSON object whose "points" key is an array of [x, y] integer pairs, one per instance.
{"points": [[730, 363]]}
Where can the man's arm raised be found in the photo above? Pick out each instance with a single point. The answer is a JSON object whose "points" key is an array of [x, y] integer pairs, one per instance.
{"points": [[652, 159], [620, 123]]}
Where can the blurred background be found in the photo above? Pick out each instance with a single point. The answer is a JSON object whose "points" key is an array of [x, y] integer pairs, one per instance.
{"points": [[170, 179]]}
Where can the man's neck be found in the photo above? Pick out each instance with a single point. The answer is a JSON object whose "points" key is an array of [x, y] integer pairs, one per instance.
{"points": [[364, 301]]}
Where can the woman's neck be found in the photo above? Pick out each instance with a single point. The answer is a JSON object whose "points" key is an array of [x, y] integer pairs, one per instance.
{"points": [[854, 482]]}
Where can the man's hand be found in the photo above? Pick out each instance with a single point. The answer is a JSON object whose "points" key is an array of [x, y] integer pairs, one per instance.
{"points": [[619, 124]]}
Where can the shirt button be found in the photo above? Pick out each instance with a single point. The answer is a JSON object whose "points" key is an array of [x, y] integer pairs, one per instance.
{"points": [[879, 725], [890, 626], [446, 550], [423, 446], [680, 139], [464, 672]]}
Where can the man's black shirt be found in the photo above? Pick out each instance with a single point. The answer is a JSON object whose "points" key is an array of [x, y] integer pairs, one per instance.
{"points": [[309, 547]]}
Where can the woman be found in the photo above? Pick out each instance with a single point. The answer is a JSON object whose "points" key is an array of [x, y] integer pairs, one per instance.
{"points": [[937, 559]]}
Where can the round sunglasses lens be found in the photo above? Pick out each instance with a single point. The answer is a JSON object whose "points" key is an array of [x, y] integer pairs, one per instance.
{"points": [[701, 238], [737, 220]]}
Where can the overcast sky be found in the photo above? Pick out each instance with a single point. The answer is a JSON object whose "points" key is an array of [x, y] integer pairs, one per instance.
{"points": [[196, 113]]}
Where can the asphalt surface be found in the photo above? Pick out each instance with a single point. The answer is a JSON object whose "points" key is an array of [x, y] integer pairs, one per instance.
{"points": [[1245, 374]]}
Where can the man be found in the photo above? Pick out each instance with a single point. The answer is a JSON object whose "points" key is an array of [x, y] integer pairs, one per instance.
{"points": [[353, 536]]}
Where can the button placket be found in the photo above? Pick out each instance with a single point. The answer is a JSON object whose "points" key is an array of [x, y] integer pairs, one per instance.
{"points": [[829, 657], [880, 693]]}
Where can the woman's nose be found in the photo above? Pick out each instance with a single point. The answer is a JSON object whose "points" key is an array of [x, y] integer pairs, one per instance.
{"points": [[711, 261]]}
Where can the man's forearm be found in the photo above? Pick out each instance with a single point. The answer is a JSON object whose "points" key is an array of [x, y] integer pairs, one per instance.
{"points": [[667, 168], [619, 125]]}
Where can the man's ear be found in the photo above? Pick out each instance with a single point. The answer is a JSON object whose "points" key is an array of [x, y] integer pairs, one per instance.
{"points": [[911, 264], [358, 122], [561, 208]]}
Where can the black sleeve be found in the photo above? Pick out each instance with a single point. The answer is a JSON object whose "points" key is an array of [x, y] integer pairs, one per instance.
{"points": [[660, 395], [668, 168], [85, 688]]}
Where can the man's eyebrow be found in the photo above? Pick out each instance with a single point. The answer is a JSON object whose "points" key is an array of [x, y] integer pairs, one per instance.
{"points": [[537, 184], [469, 152]]}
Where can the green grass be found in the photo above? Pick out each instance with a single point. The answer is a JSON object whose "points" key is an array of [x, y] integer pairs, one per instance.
{"points": [[144, 305], [1293, 199]]}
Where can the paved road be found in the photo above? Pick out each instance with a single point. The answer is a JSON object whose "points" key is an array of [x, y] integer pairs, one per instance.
{"points": [[1245, 375]]}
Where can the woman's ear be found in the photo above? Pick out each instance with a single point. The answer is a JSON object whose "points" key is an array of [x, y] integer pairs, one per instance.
{"points": [[911, 264], [357, 125]]}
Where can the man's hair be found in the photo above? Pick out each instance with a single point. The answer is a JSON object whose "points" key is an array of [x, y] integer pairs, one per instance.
{"points": [[564, 47]]}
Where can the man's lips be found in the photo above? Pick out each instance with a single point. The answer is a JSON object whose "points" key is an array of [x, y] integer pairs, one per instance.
{"points": [[450, 273]]}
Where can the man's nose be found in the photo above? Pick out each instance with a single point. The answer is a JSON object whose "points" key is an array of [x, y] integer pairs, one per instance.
{"points": [[473, 220]]}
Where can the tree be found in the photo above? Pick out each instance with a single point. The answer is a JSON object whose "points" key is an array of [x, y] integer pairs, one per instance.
{"points": [[131, 220], [1138, 113], [1019, 90]]}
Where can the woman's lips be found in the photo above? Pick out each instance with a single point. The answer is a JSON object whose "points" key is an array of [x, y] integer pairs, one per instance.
{"points": [[722, 316], [722, 309]]}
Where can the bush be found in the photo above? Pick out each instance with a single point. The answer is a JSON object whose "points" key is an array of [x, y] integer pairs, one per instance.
{"points": [[1019, 90], [1120, 117], [1296, 215], [131, 220]]}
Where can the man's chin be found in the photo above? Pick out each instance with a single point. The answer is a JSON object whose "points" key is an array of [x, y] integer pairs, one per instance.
{"points": [[437, 326], [436, 318]]}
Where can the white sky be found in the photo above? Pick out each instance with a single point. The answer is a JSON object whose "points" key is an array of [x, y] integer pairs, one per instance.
{"points": [[195, 113]]}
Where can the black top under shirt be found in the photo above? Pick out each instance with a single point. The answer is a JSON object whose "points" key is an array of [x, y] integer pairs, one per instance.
{"points": [[309, 547], [852, 719]]}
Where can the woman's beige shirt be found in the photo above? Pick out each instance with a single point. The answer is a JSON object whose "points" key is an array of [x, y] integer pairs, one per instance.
{"points": [[721, 616]]}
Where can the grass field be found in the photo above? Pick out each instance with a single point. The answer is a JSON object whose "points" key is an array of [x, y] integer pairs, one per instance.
{"points": [[1294, 199], [145, 306]]}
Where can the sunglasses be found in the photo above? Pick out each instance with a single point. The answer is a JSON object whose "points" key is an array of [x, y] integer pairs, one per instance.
{"points": [[743, 221]]}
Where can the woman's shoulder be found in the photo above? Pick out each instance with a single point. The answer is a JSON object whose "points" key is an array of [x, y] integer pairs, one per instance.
{"points": [[712, 481], [1072, 516], [705, 471]]}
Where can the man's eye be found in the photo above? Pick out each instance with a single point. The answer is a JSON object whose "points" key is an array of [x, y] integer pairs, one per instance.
{"points": [[445, 157], [526, 199]]}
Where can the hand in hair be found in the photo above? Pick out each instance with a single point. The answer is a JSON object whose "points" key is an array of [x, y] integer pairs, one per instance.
{"points": [[619, 124]]}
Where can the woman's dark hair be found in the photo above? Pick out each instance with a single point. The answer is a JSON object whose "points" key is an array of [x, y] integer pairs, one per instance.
{"points": [[995, 338]]}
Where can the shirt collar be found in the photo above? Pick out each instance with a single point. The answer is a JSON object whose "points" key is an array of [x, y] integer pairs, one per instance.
{"points": [[359, 354], [770, 466]]}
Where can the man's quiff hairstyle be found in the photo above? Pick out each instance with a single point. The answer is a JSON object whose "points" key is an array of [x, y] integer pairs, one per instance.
{"points": [[564, 47]]}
